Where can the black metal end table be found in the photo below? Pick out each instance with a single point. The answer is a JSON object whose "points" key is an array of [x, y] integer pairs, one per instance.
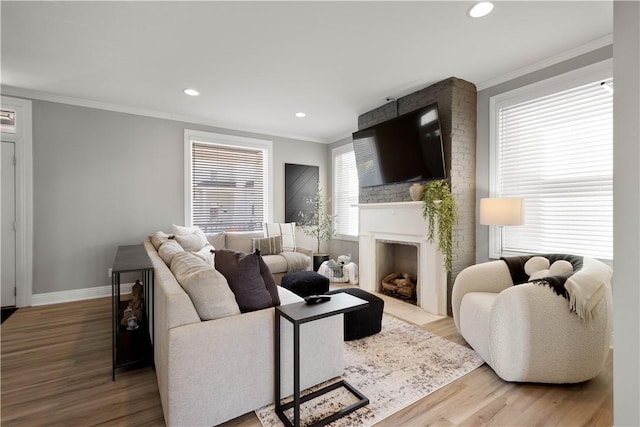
{"points": [[132, 347], [297, 314]]}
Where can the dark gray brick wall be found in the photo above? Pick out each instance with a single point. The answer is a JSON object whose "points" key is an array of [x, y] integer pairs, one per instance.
{"points": [[456, 100]]}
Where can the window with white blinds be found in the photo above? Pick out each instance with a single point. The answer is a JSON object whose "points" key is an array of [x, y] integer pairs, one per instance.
{"points": [[227, 184], [556, 152], [345, 191]]}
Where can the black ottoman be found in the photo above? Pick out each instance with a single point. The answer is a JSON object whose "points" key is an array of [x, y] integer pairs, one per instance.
{"points": [[305, 283], [364, 322]]}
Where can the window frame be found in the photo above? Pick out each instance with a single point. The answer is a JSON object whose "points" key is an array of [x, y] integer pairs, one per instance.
{"points": [[232, 141], [585, 75], [335, 152]]}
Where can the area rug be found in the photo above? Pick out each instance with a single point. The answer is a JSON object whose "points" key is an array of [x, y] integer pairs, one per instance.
{"points": [[395, 368]]}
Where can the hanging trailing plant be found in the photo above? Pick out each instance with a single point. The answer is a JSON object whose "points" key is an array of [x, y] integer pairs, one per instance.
{"points": [[439, 204]]}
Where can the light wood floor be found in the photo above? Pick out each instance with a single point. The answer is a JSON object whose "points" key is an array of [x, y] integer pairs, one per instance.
{"points": [[56, 371]]}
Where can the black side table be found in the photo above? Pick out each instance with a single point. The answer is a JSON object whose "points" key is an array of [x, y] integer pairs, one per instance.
{"points": [[130, 347], [297, 314]]}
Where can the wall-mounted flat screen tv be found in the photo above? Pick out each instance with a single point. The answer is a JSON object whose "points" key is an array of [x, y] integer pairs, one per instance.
{"points": [[406, 148]]}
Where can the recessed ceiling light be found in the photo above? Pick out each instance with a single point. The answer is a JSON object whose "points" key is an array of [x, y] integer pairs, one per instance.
{"points": [[481, 9], [301, 114], [191, 92]]}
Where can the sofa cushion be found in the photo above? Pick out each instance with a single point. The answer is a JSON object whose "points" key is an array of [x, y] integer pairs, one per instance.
{"points": [[185, 264], [217, 240], [206, 254], [158, 238], [276, 263], [241, 241], [192, 242], [268, 245], [168, 250], [207, 288], [286, 230], [244, 274]]}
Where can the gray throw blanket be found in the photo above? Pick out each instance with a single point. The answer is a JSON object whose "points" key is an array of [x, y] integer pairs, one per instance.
{"points": [[296, 261]]}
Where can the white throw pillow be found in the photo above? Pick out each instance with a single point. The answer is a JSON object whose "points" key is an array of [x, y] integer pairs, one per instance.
{"points": [[287, 231], [536, 264], [560, 267], [180, 230], [206, 255], [192, 242], [538, 267]]}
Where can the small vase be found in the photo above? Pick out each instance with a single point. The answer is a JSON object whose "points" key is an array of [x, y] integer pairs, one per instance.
{"points": [[415, 191]]}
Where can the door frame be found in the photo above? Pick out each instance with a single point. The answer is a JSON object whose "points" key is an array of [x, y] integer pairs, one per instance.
{"points": [[23, 139]]}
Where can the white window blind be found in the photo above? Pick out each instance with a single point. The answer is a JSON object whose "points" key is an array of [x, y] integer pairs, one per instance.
{"points": [[556, 151], [345, 191], [227, 187]]}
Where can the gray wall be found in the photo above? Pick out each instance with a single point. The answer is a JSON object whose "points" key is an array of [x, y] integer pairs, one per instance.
{"points": [[482, 147], [103, 179], [626, 213]]}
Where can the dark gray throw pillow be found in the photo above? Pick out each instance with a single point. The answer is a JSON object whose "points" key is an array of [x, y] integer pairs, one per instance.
{"points": [[244, 273], [269, 281]]}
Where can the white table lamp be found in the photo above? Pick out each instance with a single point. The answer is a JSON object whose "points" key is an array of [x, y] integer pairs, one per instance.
{"points": [[502, 211]]}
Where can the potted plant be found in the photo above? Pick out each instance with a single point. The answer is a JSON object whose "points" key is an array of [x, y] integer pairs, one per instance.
{"points": [[439, 204], [317, 223]]}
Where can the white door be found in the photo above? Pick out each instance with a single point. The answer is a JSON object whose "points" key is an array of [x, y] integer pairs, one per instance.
{"points": [[8, 215]]}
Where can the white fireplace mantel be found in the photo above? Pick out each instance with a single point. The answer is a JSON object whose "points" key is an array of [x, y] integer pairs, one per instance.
{"points": [[402, 222]]}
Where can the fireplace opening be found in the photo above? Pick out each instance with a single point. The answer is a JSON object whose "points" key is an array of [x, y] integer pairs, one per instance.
{"points": [[397, 265]]}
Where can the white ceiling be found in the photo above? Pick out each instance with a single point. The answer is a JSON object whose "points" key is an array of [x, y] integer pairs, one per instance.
{"points": [[258, 63]]}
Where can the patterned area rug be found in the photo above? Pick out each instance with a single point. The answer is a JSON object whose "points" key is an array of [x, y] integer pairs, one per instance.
{"points": [[395, 368]]}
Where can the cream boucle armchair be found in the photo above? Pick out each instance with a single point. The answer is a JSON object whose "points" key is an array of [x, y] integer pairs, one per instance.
{"points": [[528, 333]]}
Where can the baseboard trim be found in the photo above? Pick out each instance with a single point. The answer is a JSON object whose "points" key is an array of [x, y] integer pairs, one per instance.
{"points": [[77, 294]]}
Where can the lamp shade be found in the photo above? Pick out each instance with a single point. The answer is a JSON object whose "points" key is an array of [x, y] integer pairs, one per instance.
{"points": [[502, 211]]}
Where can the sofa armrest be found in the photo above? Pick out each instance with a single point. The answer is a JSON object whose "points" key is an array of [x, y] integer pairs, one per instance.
{"points": [[308, 252], [172, 305], [492, 276], [223, 368], [304, 250]]}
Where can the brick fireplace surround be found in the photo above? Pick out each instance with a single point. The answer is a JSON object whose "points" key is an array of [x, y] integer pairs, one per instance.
{"points": [[456, 100]]}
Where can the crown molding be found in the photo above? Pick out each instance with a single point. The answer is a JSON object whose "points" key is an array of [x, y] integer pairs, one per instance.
{"points": [[89, 103], [591, 46]]}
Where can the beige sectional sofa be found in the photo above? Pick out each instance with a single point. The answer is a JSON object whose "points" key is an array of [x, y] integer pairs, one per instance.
{"points": [[213, 371], [242, 241]]}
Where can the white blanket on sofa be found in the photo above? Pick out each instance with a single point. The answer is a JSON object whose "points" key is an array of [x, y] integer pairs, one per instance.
{"points": [[587, 287], [296, 261]]}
